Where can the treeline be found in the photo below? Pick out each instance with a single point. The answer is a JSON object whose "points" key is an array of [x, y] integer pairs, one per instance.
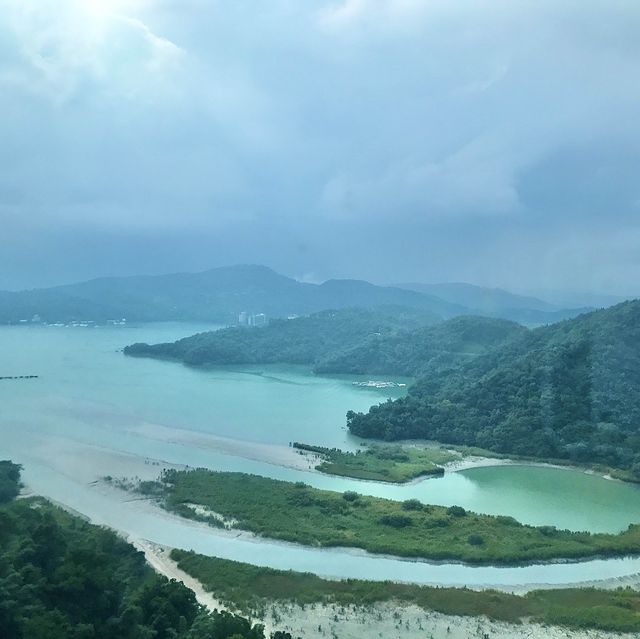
{"points": [[9, 481], [61, 578], [391, 341], [566, 391]]}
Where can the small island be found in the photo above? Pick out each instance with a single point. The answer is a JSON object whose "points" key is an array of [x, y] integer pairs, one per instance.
{"points": [[394, 464], [301, 514]]}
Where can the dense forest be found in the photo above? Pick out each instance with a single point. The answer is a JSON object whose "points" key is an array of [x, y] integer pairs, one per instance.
{"points": [[61, 578], [565, 391], [385, 341], [428, 348], [9, 481], [303, 340]]}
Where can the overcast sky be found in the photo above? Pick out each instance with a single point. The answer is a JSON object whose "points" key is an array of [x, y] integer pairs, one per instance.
{"points": [[392, 140]]}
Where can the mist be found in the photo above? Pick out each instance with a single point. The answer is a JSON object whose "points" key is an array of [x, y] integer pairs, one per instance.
{"points": [[496, 144]]}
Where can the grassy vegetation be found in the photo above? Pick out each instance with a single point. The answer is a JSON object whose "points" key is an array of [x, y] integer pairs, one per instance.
{"points": [[251, 588], [299, 513], [394, 464]]}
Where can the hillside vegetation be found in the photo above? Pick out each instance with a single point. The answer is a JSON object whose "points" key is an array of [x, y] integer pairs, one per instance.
{"points": [[383, 341], [61, 578], [303, 340], [566, 391], [429, 348]]}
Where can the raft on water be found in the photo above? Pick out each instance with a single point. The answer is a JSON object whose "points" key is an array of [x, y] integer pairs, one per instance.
{"points": [[374, 384]]}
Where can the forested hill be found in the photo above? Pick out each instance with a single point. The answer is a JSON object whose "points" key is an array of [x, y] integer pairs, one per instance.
{"points": [[566, 391], [303, 340], [429, 348], [385, 341], [62, 578]]}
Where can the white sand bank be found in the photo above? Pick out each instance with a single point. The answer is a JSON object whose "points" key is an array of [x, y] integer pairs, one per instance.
{"points": [[268, 453], [371, 622]]}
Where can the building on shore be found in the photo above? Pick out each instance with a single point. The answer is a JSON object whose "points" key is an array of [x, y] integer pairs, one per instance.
{"points": [[255, 320]]}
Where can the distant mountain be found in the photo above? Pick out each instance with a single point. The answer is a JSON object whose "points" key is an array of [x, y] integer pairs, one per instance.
{"points": [[488, 300], [220, 294], [217, 295], [496, 302], [571, 299], [566, 391]]}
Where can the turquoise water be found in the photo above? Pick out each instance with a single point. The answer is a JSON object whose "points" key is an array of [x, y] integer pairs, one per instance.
{"points": [[89, 392], [83, 378]]}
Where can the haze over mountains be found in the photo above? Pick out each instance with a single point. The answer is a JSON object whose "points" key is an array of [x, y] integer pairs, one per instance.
{"points": [[219, 294], [496, 302]]}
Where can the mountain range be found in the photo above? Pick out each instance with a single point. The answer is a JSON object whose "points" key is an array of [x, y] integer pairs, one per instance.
{"points": [[219, 295]]}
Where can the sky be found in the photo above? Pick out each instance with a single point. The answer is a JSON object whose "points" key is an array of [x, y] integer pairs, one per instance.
{"points": [[492, 142]]}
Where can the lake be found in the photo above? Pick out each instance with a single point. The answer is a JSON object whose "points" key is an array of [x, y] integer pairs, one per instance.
{"points": [[92, 405]]}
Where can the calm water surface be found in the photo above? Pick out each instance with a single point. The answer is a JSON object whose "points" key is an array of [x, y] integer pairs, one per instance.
{"points": [[88, 393]]}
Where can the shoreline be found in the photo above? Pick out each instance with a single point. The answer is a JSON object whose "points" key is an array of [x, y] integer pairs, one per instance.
{"points": [[389, 618], [291, 457], [274, 454], [631, 579]]}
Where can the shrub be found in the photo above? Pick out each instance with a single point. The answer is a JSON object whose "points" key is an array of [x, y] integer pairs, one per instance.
{"points": [[475, 540], [412, 504], [437, 522], [397, 521], [350, 495], [456, 511]]}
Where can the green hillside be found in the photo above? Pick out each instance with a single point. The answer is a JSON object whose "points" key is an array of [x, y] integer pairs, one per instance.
{"points": [[427, 348], [566, 391], [62, 578], [304, 340], [385, 341]]}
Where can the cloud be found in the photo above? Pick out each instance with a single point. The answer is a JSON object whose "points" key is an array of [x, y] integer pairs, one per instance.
{"points": [[476, 180], [416, 119], [59, 49]]}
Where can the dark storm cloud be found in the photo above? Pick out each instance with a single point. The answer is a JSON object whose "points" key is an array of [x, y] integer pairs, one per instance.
{"points": [[409, 139]]}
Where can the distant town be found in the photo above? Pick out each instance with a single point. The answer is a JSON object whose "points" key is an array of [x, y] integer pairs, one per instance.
{"points": [[250, 319]]}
